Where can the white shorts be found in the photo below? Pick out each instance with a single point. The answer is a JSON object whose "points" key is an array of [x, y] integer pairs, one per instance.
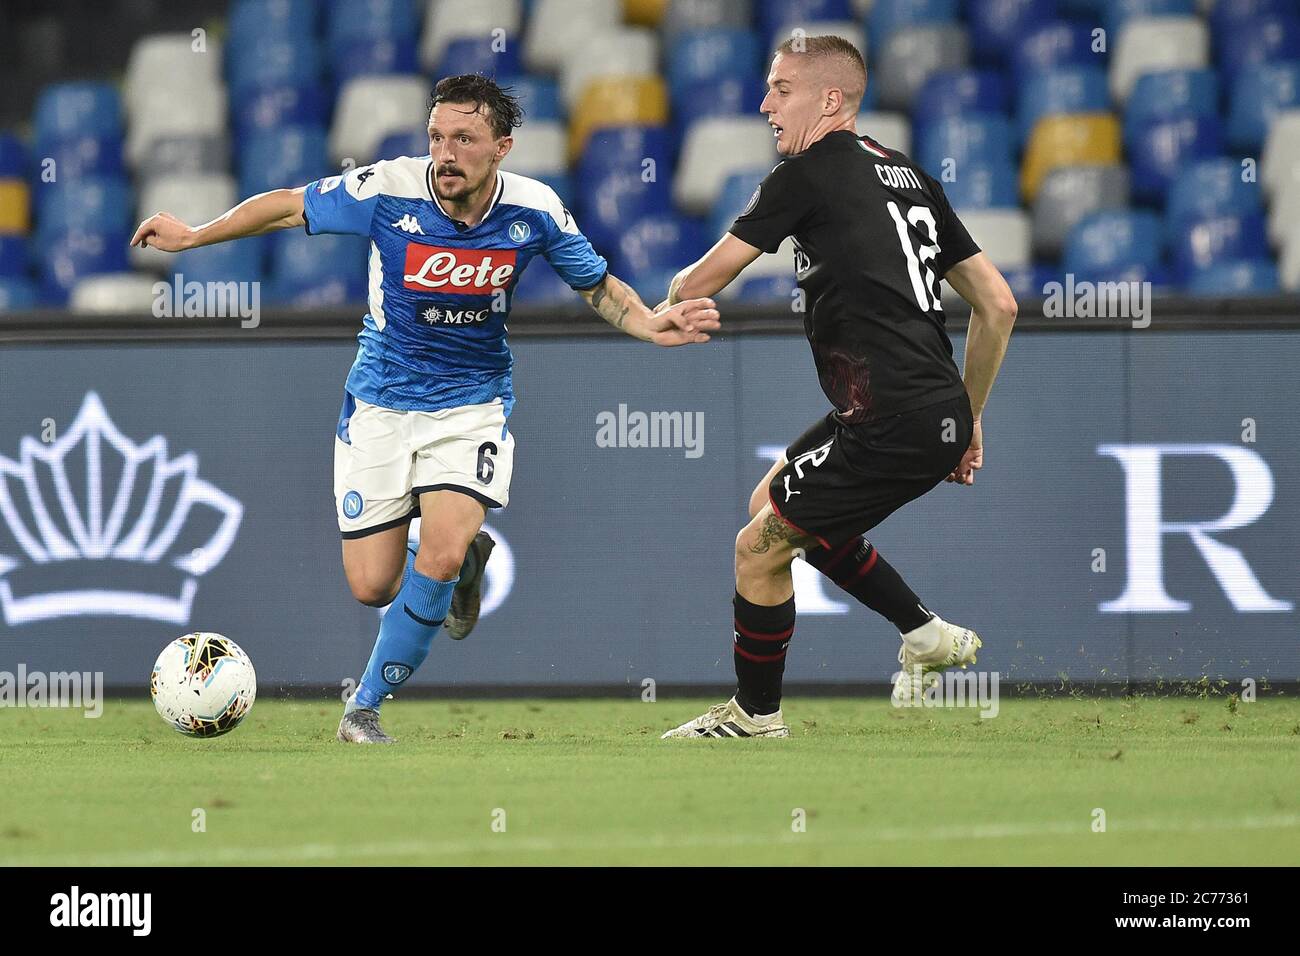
{"points": [[390, 457]]}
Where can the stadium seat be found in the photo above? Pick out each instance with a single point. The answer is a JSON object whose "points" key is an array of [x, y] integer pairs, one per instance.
{"points": [[14, 256], [73, 256], [249, 19], [772, 15], [1245, 277], [1211, 187], [539, 97], [279, 106], [1289, 266], [473, 21], [712, 55], [1226, 14], [996, 26], [76, 110], [622, 51], [284, 159], [724, 96], [1280, 162], [1106, 244], [626, 149], [1118, 14], [1154, 45], [911, 55], [478, 55], [983, 137], [165, 112], [888, 129], [645, 13], [1070, 89], [73, 157], [271, 61], [369, 57], [17, 294], [1162, 148], [956, 92], [888, 18], [550, 34], [14, 160], [1209, 242], [1174, 93], [122, 292], [239, 261], [539, 149], [1267, 38], [655, 248], [1052, 45], [316, 270], [1260, 93], [736, 192], [1003, 234], [1070, 194], [619, 101], [15, 207], [685, 16], [371, 107], [1073, 140], [174, 155], [614, 197], [174, 56], [191, 199], [1284, 213], [712, 151], [1026, 282], [93, 204], [370, 20], [982, 185]]}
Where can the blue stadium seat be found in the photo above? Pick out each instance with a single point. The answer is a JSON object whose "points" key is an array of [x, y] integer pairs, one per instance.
{"points": [[267, 62], [317, 270], [723, 96], [1211, 187], [1027, 281], [283, 158], [887, 17], [766, 290], [737, 190], [1158, 151], [562, 183], [1227, 14], [414, 143], [1106, 243], [71, 256], [613, 198], [1051, 45], [1209, 242], [655, 247], [373, 20], [995, 27], [541, 285], [1260, 93], [983, 185], [975, 137], [74, 110], [278, 106], [91, 205], [249, 19], [1171, 93], [239, 261], [13, 157], [370, 55], [76, 158], [14, 256], [475, 55], [1240, 277], [773, 15], [712, 54], [957, 92], [1070, 89], [627, 148], [17, 294], [1116, 13], [538, 95], [1264, 39]]}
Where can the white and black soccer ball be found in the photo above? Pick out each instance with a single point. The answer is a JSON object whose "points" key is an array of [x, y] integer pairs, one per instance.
{"points": [[203, 684]]}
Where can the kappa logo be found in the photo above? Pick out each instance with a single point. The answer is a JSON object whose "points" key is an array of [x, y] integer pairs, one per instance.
{"points": [[408, 223], [88, 509]]}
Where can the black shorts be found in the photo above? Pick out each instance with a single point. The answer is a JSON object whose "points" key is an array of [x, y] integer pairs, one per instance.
{"points": [[841, 480]]}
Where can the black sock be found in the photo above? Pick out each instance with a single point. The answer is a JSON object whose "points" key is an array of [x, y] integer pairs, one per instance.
{"points": [[858, 568], [762, 635]]}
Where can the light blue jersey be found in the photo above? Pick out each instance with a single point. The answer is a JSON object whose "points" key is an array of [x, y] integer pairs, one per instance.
{"points": [[440, 293]]}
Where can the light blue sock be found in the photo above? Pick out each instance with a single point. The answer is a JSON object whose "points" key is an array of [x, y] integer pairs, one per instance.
{"points": [[405, 635]]}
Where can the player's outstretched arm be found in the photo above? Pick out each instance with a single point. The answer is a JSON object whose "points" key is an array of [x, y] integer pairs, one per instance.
{"points": [[265, 212], [713, 273], [993, 313], [618, 304]]}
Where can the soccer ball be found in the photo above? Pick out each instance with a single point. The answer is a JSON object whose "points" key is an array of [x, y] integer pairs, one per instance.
{"points": [[203, 684]]}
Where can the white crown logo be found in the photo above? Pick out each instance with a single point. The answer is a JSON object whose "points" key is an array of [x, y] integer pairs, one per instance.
{"points": [[117, 534]]}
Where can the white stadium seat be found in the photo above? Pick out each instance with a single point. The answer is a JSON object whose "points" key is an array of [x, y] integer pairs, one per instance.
{"points": [[715, 148], [114, 292], [1280, 164], [449, 20], [169, 60], [1289, 270], [540, 148], [848, 29], [370, 108], [191, 199], [1154, 45], [1284, 213], [888, 129], [1002, 233], [624, 51], [559, 29], [911, 55], [165, 112]]}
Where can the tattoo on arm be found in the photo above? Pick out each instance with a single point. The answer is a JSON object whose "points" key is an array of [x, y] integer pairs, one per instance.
{"points": [[775, 530], [613, 300]]}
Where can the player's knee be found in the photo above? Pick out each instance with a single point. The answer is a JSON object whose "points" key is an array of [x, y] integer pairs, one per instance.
{"points": [[373, 592], [441, 563]]}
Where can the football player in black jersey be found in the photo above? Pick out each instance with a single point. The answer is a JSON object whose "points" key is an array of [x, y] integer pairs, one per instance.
{"points": [[873, 235]]}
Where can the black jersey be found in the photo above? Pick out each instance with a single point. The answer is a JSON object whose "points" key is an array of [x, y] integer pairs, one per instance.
{"points": [[873, 236]]}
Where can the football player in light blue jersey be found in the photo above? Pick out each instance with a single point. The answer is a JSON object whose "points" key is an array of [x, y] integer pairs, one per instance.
{"points": [[424, 424]]}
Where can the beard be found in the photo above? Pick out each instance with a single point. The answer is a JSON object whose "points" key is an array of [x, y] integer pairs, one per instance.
{"points": [[458, 189]]}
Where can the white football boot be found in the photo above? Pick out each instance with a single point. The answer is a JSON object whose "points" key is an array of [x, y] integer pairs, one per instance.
{"points": [[956, 647], [729, 720]]}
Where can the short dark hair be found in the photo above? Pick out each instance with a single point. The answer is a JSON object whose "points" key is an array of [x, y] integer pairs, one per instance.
{"points": [[504, 113]]}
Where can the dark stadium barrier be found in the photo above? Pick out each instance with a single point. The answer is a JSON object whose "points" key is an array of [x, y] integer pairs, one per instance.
{"points": [[1136, 518]]}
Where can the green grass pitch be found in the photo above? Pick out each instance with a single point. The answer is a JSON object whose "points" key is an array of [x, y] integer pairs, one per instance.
{"points": [[1181, 780]]}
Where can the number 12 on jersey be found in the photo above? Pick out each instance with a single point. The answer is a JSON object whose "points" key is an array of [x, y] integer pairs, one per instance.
{"points": [[924, 287]]}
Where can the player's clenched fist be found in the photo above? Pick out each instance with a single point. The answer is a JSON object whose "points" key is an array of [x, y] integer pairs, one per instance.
{"points": [[972, 461], [163, 231]]}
